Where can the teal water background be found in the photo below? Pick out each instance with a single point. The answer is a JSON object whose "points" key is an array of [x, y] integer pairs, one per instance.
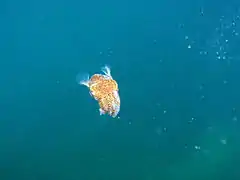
{"points": [[177, 65]]}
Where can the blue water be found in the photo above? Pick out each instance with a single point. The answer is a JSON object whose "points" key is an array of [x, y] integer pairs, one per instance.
{"points": [[177, 66]]}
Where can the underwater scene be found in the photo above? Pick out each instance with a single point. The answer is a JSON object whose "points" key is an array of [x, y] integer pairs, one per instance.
{"points": [[120, 90]]}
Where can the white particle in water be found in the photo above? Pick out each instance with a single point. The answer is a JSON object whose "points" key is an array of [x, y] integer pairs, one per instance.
{"points": [[197, 147]]}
